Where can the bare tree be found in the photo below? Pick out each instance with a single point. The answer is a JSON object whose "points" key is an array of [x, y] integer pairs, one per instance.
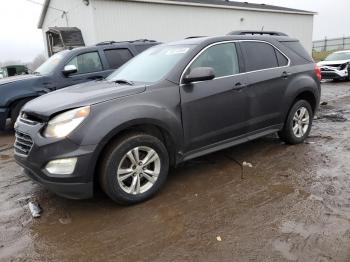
{"points": [[37, 61]]}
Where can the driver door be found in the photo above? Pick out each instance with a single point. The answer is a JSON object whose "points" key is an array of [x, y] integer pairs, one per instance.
{"points": [[215, 110]]}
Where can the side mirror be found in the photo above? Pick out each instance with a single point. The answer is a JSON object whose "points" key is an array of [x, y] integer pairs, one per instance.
{"points": [[199, 74], [69, 69]]}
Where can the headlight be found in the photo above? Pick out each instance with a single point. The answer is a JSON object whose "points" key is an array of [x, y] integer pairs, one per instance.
{"points": [[63, 124], [343, 66]]}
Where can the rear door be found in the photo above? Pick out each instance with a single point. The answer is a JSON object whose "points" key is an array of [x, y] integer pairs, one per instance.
{"points": [[116, 57], [267, 72], [214, 110]]}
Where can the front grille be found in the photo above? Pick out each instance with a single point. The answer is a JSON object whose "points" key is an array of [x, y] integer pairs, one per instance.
{"points": [[28, 119], [23, 143]]}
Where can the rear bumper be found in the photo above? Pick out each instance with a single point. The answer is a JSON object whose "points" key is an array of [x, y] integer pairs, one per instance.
{"points": [[4, 114]]}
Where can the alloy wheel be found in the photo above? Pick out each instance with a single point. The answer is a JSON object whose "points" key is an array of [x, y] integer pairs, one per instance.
{"points": [[301, 122], [138, 170]]}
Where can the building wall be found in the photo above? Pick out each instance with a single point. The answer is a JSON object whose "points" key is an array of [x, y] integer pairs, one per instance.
{"points": [[127, 20], [78, 15]]}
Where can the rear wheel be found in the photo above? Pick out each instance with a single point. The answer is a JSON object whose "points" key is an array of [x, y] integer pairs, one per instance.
{"points": [[134, 168], [298, 124]]}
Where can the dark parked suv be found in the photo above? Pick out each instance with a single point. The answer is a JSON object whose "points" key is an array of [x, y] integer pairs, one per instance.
{"points": [[64, 69], [171, 103]]}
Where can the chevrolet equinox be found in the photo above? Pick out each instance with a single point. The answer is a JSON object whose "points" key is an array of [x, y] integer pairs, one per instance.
{"points": [[171, 103]]}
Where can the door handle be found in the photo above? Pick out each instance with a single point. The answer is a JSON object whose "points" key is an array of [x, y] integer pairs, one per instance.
{"points": [[285, 74], [239, 86]]}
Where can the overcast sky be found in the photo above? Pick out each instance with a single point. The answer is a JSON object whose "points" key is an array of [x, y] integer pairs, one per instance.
{"points": [[21, 40]]}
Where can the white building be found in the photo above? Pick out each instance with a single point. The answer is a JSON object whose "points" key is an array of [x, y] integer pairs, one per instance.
{"points": [[168, 20]]}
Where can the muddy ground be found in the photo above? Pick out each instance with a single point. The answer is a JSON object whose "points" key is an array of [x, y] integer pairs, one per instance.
{"points": [[292, 205]]}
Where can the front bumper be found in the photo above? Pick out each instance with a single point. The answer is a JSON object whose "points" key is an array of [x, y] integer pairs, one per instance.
{"points": [[4, 114], [78, 185], [328, 73]]}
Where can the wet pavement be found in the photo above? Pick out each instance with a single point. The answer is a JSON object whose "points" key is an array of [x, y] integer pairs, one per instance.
{"points": [[292, 205]]}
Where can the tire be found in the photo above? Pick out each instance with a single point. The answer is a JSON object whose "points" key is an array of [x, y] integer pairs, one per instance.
{"points": [[15, 109], [302, 126], [119, 176]]}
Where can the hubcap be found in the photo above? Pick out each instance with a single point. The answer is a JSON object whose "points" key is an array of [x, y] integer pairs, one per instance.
{"points": [[138, 170], [301, 121]]}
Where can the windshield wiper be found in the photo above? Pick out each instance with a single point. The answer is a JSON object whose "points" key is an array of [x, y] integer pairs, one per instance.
{"points": [[123, 81]]}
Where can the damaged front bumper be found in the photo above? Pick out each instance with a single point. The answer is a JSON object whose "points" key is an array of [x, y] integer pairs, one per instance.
{"points": [[329, 72]]}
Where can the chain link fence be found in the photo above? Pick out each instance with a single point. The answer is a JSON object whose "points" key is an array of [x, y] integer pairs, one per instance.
{"points": [[331, 44]]}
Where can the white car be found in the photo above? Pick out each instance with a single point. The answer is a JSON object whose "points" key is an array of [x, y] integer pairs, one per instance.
{"points": [[336, 66]]}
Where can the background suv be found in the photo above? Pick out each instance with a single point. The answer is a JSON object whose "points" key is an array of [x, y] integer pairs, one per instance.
{"points": [[171, 103], [64, 69]]}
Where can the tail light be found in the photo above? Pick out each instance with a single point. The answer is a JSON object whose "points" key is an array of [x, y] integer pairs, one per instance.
{"points": [[318, 72]]}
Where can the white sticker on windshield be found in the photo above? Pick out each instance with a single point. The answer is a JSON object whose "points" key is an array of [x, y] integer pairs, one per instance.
{"points": [[177, 51]]}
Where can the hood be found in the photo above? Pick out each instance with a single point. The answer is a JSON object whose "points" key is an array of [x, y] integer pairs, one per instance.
{"points": [[79, 95], [11, 79], [330, 63]]}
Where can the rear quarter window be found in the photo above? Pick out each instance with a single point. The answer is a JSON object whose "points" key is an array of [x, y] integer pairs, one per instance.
{"points": [[117, 57], [282, 60]]}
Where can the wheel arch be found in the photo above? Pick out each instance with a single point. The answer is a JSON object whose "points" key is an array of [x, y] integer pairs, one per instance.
{"points": [[148, 126]]}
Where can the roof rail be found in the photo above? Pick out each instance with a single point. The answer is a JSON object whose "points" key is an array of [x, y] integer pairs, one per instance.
{"points": [[131, 41], [191, 37], [106, 43], [271, 33]]}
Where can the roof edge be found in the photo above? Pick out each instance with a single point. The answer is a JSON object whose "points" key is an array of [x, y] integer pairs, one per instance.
{"points": [[296, 11], [43, 14]]}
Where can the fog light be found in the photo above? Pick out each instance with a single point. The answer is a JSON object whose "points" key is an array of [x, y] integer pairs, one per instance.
{"points": [[61, 166]]}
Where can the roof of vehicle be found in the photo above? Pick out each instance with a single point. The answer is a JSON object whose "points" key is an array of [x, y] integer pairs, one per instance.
{"points": [[207, 3], [342, 51], [208, 40], [112, 44]]}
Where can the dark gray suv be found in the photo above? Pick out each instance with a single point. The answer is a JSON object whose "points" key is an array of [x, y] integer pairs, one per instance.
{"points": [[66, 68], [172, 103]]}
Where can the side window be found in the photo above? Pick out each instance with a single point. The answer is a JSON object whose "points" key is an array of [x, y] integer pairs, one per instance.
{"points": [[259, 56], [222, 58], [117, 57], [87, 63], [282, 60]]}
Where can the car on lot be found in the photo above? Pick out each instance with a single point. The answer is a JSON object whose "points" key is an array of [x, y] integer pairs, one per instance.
{"points": [[172, 103], [13, 70], [336, 66], [64, 69]]}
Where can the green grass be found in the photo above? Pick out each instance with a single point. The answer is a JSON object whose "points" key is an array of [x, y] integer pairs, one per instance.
{"points": [[319, 56]]}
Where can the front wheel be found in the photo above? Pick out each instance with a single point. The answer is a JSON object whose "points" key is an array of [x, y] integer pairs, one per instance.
{"points": [[134, 168], [298, 124]]}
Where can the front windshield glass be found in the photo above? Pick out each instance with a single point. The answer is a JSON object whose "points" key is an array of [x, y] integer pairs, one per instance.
{"points": [[50, 64], [152, 65], [338, 56]]}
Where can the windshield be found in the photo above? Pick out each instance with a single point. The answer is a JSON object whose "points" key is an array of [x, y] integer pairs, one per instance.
{"points": [[338, 56], [50, 64], [152, 65]]}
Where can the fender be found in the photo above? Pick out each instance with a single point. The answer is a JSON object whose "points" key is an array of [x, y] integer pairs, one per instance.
{"points": [[298, 85], [29, 87], [108, 119]]}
